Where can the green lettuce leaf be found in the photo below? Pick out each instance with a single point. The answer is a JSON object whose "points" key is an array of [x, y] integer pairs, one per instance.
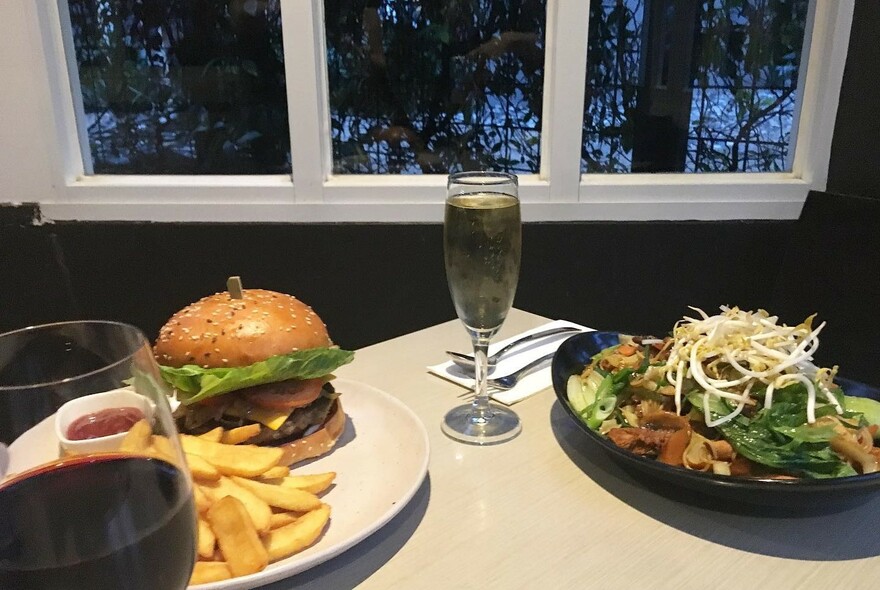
{"points": [[194, 384]]}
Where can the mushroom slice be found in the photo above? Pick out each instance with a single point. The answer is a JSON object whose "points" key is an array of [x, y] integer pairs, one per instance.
{"points": [[661, 420], [850, 450], [721, 450]]}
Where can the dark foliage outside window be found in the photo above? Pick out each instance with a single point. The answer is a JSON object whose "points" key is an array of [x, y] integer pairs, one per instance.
{"points": [[182, 86], [686, 86], [419, 87], [433, 87]]}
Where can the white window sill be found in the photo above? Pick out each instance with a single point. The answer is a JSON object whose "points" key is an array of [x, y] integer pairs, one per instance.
{"points": [[420, 199]]}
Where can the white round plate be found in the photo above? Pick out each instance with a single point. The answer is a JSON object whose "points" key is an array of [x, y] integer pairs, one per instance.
{"points": [[380, 461]]}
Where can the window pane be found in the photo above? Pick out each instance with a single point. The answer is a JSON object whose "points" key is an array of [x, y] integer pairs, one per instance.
{"points": [[432, 87], [691, 86], [182, 86]]}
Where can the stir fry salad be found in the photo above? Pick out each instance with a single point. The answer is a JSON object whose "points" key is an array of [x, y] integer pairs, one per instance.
{"points": [[735, 393]]}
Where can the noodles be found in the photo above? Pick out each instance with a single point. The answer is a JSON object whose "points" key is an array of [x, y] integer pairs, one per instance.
{"points": [[735, 393]]}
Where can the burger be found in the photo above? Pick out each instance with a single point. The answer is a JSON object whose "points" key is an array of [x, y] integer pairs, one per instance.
{"points": [[264, 358]]}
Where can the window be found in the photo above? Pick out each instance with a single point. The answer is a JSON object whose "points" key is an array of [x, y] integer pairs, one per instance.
{"points": [[355, 110], [178, 87], [435, 87], [692, 86]]}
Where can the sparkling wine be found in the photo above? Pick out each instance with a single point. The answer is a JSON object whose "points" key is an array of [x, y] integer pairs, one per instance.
{"points": [[483, 236], [105, 521]]}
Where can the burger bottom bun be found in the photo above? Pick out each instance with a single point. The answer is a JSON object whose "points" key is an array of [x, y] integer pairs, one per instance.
{"points": [[317, 443]]}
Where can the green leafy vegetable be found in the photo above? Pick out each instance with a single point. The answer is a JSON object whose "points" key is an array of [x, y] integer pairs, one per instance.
{"points": [[779, 436], [195, 383]]}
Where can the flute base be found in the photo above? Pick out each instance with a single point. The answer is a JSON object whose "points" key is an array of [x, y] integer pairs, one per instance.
{"points": [[463, 425]]}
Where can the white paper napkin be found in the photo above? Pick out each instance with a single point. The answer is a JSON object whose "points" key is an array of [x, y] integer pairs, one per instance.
{"points": [[534, 382]]}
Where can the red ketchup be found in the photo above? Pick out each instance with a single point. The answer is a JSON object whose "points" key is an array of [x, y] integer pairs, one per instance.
{"points": [[103, 423]]}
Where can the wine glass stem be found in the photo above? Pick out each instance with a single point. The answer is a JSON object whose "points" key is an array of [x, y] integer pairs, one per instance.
{"points": [[481, 411]]}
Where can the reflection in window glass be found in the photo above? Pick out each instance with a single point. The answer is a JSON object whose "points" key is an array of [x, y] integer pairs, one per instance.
{"points": [[431, 87], [182, 86], [691, 86]]}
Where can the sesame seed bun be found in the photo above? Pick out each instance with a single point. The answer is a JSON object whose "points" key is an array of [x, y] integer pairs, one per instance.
{"points": [[219, 331]]}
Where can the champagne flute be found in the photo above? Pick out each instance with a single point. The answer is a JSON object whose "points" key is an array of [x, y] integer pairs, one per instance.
{"points": [[96, 493], [482, 235]]}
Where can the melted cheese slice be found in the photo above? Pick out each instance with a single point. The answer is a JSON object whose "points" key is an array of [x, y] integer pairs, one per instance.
{"points": [[271, 418]]}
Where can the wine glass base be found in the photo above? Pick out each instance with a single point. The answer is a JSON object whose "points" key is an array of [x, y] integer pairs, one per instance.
{"points": [[461, 424]]}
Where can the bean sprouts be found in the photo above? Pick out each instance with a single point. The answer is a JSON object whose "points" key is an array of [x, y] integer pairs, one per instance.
{"points": [[730, 354]]}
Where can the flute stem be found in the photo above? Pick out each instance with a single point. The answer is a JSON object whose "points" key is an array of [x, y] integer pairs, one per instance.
{"points": [[481, 410]]}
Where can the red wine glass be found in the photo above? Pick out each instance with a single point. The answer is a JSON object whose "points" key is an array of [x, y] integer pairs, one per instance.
{"points": [[94, 488]]}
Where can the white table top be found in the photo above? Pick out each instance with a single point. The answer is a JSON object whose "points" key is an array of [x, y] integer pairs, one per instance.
{"points": [[542, 511]]}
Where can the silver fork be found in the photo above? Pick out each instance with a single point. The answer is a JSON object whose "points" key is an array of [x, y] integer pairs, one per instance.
{"points": [[466, 361], [510, 380]]}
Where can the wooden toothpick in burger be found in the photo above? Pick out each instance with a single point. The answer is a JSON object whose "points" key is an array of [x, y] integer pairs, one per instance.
{"points": [[263, 357], [233, 285]]}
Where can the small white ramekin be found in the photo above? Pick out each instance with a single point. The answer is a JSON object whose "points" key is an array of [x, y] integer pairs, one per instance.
{"points": [[82, 406]]}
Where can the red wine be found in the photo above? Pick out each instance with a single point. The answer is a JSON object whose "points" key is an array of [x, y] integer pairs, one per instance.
{"points": [[105, 521]]}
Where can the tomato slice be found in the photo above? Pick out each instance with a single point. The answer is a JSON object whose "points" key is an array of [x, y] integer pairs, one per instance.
{"points": [[285, 395], [213, 402]]}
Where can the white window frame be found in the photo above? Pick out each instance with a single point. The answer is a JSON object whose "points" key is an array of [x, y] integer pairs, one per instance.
{"points": [[44, 163]]}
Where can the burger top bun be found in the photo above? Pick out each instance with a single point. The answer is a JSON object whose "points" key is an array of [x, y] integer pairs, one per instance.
{"points": [[220, 331]]}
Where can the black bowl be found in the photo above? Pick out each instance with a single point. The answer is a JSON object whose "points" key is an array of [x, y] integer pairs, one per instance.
{"points": [[575, 353]]}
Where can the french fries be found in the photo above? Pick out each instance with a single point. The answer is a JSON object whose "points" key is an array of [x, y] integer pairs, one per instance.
{"points": [[206, 540], [161, 447], [279, 496], [295, 537], [276, 472], [213, 435], [201, 500], [258, 510], [282, 511], [240, 434], [243, 460], [314, 483], [251, 510], [138, 438], [209, 571], [201, 469], [237, 537], [279, 519]]}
